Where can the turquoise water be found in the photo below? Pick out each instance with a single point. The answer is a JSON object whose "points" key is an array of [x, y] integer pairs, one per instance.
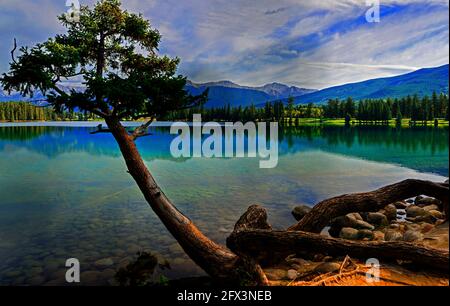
{"points": [[65, 193]]}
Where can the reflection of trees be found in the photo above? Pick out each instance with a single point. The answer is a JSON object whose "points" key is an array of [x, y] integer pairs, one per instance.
{"points": [[408, 139], [22, 132], [372, 143]]}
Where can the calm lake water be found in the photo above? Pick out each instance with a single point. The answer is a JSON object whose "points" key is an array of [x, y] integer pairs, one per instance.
{"points": [[65, 193]]}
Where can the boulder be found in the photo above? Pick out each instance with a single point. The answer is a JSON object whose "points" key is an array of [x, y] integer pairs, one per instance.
{"points": [[349, 233], [377, 218], [300, 211]]}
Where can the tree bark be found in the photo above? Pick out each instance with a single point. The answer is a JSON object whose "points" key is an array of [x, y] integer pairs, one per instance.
{"points": [[325, 211], [262, 244], [218, 261]]}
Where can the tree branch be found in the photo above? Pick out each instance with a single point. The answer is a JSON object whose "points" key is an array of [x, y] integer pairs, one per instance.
{"points": [[13, 50]]}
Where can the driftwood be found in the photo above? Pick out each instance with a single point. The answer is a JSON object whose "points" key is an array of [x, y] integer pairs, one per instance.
{"points": [[253, 236], [262, 243], [323, 212]]}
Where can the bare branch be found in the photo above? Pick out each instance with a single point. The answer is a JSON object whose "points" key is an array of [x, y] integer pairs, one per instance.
{"points": [[13, 50], [142, 130], [100, 129]]}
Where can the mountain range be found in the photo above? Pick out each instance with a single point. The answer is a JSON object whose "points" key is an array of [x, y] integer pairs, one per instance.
{"points": [[422, 82]]}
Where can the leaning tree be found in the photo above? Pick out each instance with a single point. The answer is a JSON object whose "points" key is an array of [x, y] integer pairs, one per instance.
{"points": [[114, 52]]}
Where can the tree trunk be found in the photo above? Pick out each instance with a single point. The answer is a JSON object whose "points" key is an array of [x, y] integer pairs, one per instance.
{"points": [[219, 262], [264, 244], [325, 211]]}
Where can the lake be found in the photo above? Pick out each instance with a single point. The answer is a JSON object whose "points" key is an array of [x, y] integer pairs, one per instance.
{"points": [[65, 193]]}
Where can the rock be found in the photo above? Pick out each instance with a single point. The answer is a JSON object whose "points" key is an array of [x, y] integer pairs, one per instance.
{"points": [[377, 219], [400, 205], [412, 235], [275, 274], [422, 201], [105, 262], [349, 220], [349, 233], [327, 267], [292, 274], [356, 216], [365, 233], [390, 211], [418, 199], [392, 235], [394, 226], [428, 217], [415, 211], [300, 211], [437, 214], [431, 207], [378, 236]]}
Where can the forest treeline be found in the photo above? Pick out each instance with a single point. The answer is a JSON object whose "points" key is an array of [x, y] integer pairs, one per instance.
{"points": [[370, 110], [26, 111]]}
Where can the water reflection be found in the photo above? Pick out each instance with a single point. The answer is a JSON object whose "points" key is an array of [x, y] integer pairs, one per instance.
{"points": [[65, 193]]}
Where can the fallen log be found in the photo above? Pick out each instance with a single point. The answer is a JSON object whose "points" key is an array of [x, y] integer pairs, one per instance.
{"points": [[325, 211], [262, 244]]}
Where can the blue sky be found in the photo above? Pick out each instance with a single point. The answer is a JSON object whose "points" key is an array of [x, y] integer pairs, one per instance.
{"points": [[312, 44]]}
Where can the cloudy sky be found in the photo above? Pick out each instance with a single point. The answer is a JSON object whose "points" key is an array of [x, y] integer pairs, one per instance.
{"points": [[307, 43]]}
